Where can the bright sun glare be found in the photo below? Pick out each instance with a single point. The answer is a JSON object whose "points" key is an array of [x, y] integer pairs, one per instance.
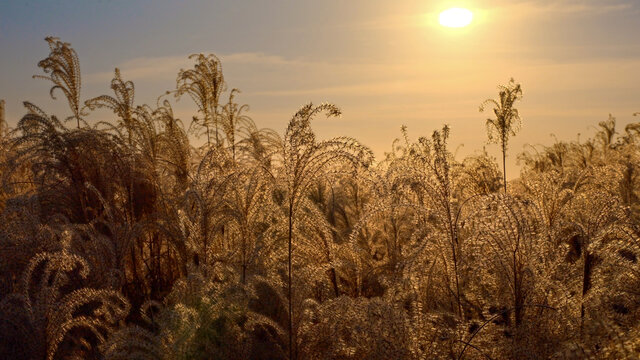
{"points": [[455, 17]]}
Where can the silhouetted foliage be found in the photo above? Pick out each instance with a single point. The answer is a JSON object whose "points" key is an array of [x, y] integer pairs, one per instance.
{"points": [[507, 119], [122, 239]]}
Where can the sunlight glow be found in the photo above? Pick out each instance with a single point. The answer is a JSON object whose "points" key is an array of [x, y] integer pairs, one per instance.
{"points": [[455, 17]]}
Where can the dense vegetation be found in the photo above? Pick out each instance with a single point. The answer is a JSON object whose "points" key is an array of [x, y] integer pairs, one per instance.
{"points": [[121, 240]]}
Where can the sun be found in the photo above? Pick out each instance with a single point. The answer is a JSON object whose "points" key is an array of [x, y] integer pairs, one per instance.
{"points": [[455, 17]]}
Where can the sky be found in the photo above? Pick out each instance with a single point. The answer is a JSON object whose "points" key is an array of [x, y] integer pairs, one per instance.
{"points": [[384, 63]]}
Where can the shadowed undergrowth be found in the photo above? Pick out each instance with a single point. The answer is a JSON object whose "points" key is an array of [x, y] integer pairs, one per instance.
{"points": [[123, 240]]}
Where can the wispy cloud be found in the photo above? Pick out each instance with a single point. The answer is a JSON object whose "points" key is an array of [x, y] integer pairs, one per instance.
{"points": [[147, 68], [553, 8]]}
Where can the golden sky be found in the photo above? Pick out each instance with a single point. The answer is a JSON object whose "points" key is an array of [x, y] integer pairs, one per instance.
{"points": [[384, 63]]}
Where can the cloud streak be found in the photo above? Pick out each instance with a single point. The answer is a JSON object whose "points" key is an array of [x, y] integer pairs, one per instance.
{"points": [[149, 68]]}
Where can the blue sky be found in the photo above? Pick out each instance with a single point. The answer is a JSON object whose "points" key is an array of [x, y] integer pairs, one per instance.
{"points": [[384, 63]]}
